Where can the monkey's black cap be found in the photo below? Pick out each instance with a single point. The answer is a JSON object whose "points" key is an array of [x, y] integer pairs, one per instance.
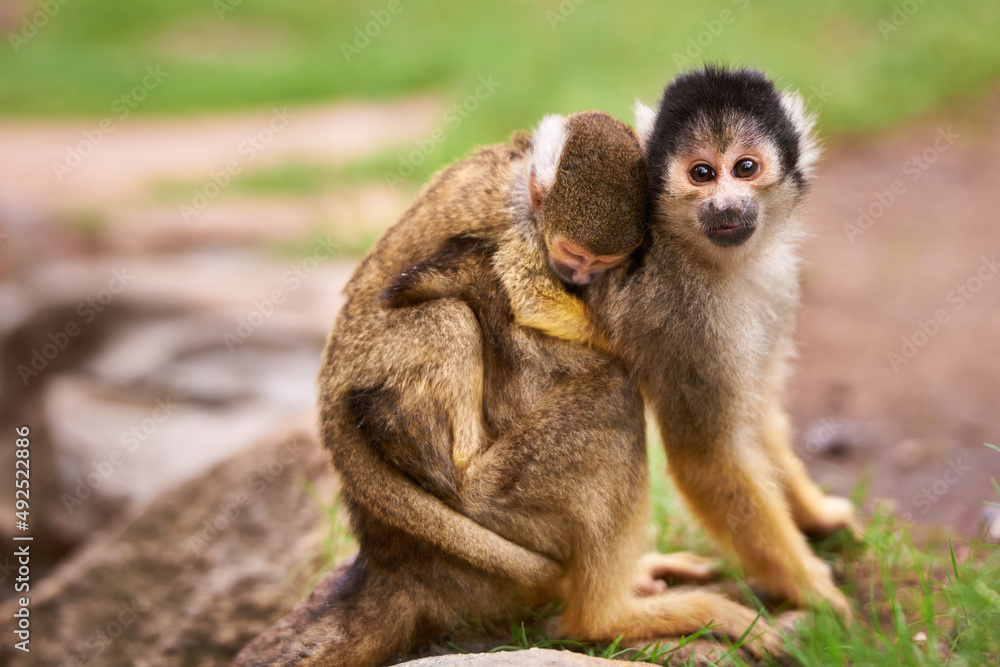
{"points": [[598, 197], [720, 100]]}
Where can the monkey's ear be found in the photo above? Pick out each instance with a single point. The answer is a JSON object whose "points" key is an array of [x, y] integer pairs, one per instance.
{"points": [[645, 118], [547, 146], [804, 122], [536, 192]]}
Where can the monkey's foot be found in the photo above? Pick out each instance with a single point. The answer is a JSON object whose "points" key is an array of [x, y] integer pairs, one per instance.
{"points": [[791, 622], [830, 515], [655, 567], [760, 638], [811, 588], [821, 588]]}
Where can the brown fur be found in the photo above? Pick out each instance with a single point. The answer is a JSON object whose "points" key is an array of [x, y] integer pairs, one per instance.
{"points": [[575, 208], [492, 454], [708, 331]]}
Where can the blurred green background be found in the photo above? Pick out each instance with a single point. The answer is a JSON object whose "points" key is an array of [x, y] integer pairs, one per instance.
{"points": [[865, 64], [389, 74]]}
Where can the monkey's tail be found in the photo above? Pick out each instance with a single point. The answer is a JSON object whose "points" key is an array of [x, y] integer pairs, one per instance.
{"points": [[395, 499], [354, 618]]}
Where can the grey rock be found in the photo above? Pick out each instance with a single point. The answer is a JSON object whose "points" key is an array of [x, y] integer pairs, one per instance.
{"points": [[157, 338], [534, 657], [208, 566]]}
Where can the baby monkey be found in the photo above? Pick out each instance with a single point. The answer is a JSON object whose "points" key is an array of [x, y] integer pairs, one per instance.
{"points": [[491, 450]]}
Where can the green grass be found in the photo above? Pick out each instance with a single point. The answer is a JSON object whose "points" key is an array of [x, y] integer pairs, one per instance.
{"points": [[293, 177], [337, 542], [901, 586], [603, 55], [902, 590], [267, 53], [340, 243]]}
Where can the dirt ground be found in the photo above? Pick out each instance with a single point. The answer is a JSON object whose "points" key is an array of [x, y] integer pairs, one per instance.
{"points": [[898, 379], [899, 333]]}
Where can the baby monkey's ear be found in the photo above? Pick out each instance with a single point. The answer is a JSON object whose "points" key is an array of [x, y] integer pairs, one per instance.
{"points": [[645, 118], [547, 149], [536, 192]]}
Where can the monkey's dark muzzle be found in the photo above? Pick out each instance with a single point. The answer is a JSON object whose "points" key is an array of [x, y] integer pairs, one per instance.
{"points": [[728, 225]]}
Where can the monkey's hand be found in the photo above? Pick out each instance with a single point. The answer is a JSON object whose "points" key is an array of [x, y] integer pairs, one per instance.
{"points": [[655, 567], [667, 616]]}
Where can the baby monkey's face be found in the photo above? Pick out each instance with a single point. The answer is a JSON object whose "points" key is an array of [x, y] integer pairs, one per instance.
{"points": [[575, 263], [592, 202], [725, 187]]}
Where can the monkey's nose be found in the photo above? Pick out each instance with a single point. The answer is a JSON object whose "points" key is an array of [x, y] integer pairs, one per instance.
{"points": [[573, 274], [576, 264], [729, 213], [729, 223]]}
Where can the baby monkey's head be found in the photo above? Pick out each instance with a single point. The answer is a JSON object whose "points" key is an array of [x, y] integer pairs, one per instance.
{"points": [[729, 156], [587, 190]]}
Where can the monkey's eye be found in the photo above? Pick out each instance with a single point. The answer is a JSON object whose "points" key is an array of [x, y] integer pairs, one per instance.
{"points": [[745, 168], [702, 173]]}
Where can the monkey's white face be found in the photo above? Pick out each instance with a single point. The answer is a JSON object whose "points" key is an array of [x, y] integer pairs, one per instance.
{"points": [[722, 192]]}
